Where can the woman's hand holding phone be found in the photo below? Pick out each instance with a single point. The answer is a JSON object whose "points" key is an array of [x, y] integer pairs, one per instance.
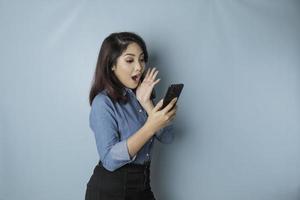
{"points": [[159, 118]]}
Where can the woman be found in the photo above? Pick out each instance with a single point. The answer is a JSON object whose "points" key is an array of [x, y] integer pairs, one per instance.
{"points": [[124, 120]]}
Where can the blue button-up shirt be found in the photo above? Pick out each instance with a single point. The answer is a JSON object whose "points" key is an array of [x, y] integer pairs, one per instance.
{"points": [[113, 123]]}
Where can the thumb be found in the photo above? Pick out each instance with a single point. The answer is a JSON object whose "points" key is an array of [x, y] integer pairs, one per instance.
{"points": [[158, 105]]}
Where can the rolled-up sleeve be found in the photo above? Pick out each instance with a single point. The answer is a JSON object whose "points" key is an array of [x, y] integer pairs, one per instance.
{"points": [[113, 152], [165, 135]]}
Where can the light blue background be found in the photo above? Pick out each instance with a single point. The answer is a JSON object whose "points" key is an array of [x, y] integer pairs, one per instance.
{"points": [[237, 127]]}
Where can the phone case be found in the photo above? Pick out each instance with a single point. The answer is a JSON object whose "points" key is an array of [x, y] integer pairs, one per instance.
{"points": [[173, 91]]}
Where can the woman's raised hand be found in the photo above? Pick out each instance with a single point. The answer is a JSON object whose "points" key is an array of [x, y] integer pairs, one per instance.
{"points": [[144, 89]]}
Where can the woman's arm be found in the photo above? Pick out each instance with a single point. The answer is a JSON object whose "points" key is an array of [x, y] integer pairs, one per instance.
{"points": [[113, 152], [157, 120], [138, 140], [164, 135]]}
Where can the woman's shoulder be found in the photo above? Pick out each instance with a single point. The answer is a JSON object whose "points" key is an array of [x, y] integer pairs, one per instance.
{"points": [[102, 99]]}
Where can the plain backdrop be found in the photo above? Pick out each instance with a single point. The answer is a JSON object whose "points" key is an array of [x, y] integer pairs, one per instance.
{"points": [[237, 125]]}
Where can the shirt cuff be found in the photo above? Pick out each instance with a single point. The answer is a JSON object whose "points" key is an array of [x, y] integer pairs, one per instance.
{"points": [[121, 153], [134, 157]]}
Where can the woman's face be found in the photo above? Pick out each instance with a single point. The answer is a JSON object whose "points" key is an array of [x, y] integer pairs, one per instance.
{"points": [[130, 66]]}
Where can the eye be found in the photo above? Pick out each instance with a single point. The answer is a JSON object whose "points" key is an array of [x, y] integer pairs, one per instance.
{"points": [[142, 60], [129, 61]]}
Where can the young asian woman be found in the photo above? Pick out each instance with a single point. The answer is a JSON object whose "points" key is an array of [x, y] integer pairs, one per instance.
{"points": [[124, 120]]}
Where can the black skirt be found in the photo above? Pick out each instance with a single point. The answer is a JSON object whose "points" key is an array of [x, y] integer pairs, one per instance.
{"points": [[130, 182]]}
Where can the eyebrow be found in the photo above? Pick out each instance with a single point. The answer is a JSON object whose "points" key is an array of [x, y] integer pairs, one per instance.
{"points": [[131, 54]]}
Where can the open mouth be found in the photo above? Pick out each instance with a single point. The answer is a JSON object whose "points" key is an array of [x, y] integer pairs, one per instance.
{"points": [[136, 78]]}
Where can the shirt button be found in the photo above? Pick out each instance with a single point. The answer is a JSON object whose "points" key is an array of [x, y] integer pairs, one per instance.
{"points": [[140, 110], [147, 154]]}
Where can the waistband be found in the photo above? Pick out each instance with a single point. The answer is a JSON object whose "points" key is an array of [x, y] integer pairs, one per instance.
{"points": [[132, 166], [135, 177]]}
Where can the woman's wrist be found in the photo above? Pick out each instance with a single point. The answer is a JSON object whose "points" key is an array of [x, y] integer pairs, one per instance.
{"points": [[150, 128], [148, 106]]}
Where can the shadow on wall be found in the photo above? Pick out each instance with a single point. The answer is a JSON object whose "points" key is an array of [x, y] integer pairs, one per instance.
{"points": [[160, 174]]}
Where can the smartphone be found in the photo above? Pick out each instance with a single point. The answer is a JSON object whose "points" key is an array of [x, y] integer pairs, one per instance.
{"points": [[173, 91]]}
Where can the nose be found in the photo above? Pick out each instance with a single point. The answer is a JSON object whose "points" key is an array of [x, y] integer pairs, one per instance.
{"points": [[139, 66]]}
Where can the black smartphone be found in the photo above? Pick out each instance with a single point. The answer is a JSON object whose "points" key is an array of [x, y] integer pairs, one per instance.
{"points": [[173, 91]]}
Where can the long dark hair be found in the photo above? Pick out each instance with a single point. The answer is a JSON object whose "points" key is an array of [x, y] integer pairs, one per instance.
{"points": [[104, 78]]}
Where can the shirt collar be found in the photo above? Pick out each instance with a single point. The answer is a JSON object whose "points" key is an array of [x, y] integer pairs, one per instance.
{"points": [[127, 90]]}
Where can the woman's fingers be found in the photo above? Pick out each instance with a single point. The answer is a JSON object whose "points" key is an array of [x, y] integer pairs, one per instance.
{"points": [[172, 112], [155, 82], [147, 74], [154, 75], [170, 105], [158, 105], [151, 76], [151, 72]]}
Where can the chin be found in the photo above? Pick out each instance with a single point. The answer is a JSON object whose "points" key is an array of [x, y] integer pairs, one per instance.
{"points": [[133, 85]]}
